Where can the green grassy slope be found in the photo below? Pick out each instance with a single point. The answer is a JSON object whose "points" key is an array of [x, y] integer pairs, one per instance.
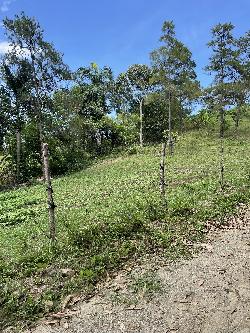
{"points": [[110, 213]]}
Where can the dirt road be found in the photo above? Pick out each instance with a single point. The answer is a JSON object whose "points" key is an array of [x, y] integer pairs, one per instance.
{"points": [[208, 294]]}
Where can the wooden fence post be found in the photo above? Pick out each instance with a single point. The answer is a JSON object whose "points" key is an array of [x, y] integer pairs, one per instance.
{"points": [[51, 205]]}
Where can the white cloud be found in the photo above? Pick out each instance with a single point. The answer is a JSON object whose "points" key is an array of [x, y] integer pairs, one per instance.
{"points": [[5, 5], [4, 47]]}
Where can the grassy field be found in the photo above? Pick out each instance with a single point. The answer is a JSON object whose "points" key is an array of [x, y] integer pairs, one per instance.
{"points": [[110, 214]]}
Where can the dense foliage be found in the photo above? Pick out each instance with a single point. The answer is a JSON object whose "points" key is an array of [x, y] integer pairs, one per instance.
{"points": [[90, 112]]}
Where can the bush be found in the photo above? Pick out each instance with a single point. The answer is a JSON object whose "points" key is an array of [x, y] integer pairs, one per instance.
{"points": [[6, 170]]}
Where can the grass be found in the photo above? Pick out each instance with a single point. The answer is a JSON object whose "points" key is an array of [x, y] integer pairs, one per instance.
{"points": [[139, 285], [146, 284], [109, 214]]}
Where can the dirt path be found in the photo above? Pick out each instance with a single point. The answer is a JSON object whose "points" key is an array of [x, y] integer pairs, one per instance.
{"points": [[207, 294]]}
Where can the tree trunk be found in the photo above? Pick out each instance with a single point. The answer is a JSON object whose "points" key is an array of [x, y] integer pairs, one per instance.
{"points": [[51, 205], [222, 122], [222, 132], [237, 116], [37, 105], [18, 154], [141, 122], [237, 120], [181, 121], [222, 163], [41, 139], [162, 171], [170, 139]]}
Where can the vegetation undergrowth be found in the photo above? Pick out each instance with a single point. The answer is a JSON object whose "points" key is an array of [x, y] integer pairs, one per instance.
{"points": [[109, 214]]}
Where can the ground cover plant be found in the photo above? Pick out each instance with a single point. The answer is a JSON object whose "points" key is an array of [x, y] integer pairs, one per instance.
{"points": [[110, 213]]}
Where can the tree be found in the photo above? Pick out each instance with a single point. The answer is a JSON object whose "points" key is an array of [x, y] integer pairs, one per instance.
{"points": [[92, 92], [17, 83], [80, 118], [221, 60], [173, 69], [5, 107], [241, 80], [174, 72], [47, 68], [139, 83], [91, 98], [122, 98]]}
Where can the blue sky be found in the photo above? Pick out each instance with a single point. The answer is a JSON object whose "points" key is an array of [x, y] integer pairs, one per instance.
{"points": [[119, 33]]}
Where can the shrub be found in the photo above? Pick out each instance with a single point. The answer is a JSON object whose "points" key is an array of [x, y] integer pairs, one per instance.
{"points": [[6, 170]]}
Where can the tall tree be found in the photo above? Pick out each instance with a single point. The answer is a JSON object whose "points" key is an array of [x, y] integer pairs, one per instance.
{"points": [[5, 114], [94, 88], [17, 83], [241, 81], [139, 83], [122, 98], [47, 68], [220, 64], [174, 68], [174, 72], [81, 110]]}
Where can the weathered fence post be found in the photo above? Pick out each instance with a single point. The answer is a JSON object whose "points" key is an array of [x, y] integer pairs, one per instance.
{"points": [[51, 205], [170, 136]]}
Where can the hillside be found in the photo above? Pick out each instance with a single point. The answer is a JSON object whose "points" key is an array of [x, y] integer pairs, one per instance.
{"points": [[110, 214]]}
